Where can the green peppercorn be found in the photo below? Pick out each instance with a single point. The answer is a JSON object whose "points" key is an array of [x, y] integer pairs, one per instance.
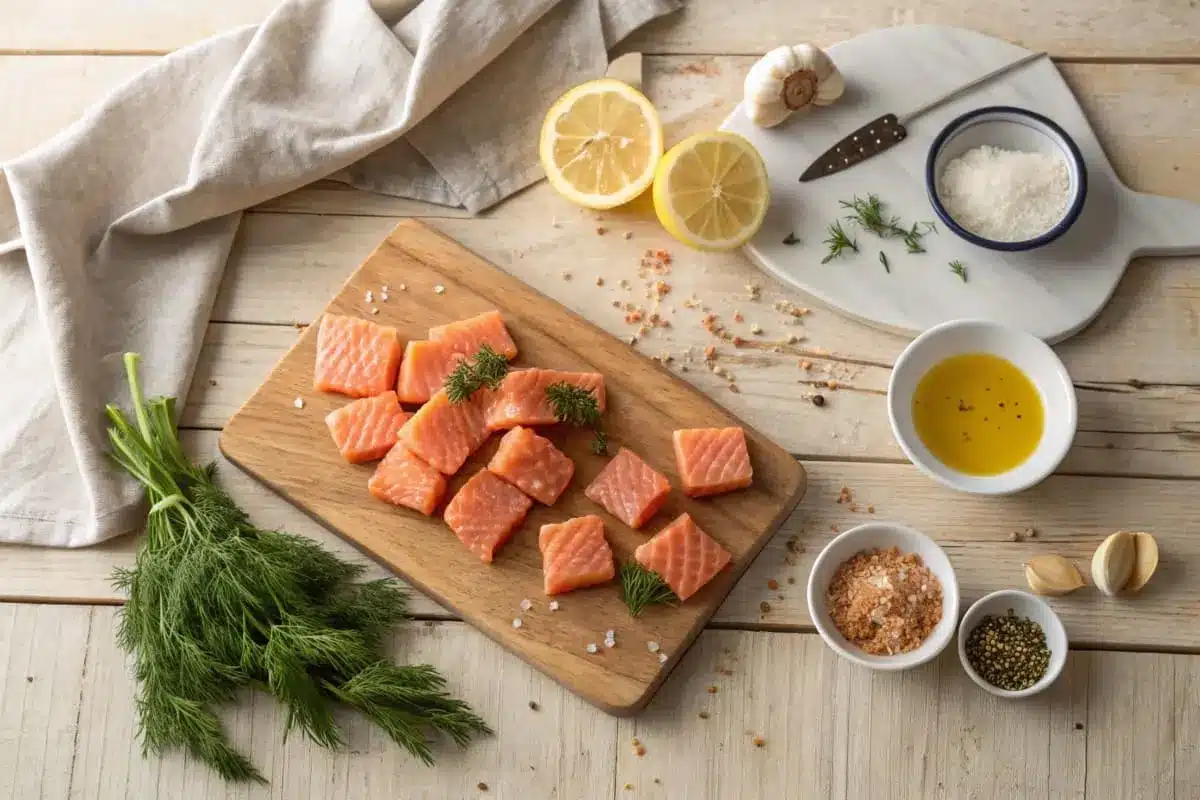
{"points": [[1008, 652]]}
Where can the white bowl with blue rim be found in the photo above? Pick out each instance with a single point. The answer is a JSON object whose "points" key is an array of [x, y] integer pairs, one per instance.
{"points": [[1007, 128]]}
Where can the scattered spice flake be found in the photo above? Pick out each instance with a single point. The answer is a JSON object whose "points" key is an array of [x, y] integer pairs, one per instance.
{"points": [[793, 545], [662, 288], [760, 741], [733, 387], [853, 508], [870, 509], [633, 317], [818, 400], [599, 281], [833, 528], [533, 706], [845, 495], [712, 689], [791, 580], [439, 289], [737, 317], [772, 584], [629, 787], [601, 230], [481, 786], [833, 385], [298, 402], [791, 239], [764, 607], [805, 364], [639, 751], [566, 276], [738, 341], [698, 68], [624, 284], [710, 353], [754, 290], [627, 235], [756, 330], [793, 338]]}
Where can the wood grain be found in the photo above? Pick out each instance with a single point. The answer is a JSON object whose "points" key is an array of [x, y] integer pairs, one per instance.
{"points": [[1076, 28], [290, 450]]}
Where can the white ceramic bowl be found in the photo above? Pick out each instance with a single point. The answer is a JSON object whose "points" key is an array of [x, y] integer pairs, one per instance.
{"points": [[1023, 604], [1007, 128], [1031, 355], [883, 535]]}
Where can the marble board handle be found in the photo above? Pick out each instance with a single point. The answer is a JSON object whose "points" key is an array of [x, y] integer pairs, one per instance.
{"points": [[1167, 226]]}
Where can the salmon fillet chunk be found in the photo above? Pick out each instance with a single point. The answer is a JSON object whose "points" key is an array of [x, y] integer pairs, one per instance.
{"points": [[575, 554], [444, 434], [485, 512], [466, 336], [402, 479], [355, 357], [629, 489], [683, 555], [521, 398], [423, 370], [712, 460], [532, 464], [366, 429]]}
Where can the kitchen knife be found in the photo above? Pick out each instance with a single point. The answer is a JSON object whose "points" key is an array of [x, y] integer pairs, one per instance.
{"points": [[888, 131]]}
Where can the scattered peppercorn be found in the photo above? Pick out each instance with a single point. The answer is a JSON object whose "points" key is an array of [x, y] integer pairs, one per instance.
{"points": [[764, 607], [481, 786], [533, 706], [703, 715], [1078, 726], [818, 400], [1008, 651]]}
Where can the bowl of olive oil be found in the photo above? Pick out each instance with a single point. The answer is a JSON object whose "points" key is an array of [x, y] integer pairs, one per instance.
{"points": [[981, 407]]}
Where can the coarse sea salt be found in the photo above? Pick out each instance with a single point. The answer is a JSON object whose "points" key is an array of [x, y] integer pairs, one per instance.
{"points": [[1005, 195]]}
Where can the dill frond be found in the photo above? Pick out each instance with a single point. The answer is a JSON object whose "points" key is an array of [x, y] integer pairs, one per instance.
{"points": [[641, 587]]}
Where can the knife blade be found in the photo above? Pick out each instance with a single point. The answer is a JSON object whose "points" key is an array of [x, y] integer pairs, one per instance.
{"points": [[889, 130]]}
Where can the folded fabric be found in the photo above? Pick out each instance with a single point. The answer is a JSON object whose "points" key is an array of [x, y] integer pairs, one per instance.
{"points": [[114, 235]]}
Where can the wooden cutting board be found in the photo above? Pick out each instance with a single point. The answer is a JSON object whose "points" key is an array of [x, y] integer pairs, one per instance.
{"points": [[291, 451]]}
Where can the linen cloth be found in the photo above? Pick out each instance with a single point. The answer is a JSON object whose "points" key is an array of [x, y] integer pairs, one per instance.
{"points": [[114, 234]]}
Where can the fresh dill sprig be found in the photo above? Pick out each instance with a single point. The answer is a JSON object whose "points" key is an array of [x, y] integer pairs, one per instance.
{"points": [[216, 605], [869, 214], [838, 242], [884, 260], [486, 368], [958, 269], [578, 406], [641, 587]]}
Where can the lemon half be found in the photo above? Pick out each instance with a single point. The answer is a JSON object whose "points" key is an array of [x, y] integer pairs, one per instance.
{"points": [[600, 143], [711, 191]]}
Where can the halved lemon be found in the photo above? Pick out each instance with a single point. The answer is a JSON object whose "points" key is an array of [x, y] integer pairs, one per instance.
{"points": [[600, 143], [711, 192]]}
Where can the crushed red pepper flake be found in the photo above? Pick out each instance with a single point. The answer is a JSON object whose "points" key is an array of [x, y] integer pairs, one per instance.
{"points": [[601, 230], [712, 689], [760, 741], [772, 584]]}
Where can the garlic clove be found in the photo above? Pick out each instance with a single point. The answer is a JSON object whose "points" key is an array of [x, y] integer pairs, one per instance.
{"points": [[788, 79], [1145, 561], [1052, 575], [1112, 563]]}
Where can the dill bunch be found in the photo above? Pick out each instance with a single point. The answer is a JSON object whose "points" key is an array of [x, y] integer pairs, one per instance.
{"points": [[577, 406], [216, 604], [486, 368], [838, 242], [641, 587]]}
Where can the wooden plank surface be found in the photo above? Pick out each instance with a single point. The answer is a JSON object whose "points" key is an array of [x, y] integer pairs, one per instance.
{"points": [[290, 450], [828, 729], [1075, 28]]}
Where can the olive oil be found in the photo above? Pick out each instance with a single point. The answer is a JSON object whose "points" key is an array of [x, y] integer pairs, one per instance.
{"points": [[978, 414]]}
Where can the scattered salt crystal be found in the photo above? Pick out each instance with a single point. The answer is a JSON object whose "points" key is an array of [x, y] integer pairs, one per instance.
{"points": [[526, 604], [517, 622], [298, 402], [439, 289], [404, 287], [370, 296], [384, 288], [652, 647], [374, 310], [610, 633], [662, 658], [591, 648], [554, 605], [610, 643], [383, 297]]}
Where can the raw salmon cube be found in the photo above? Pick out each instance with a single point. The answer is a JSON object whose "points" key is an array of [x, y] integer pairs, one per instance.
{"points": [[532, 464], [521, 398], [629, 488], [712, 460], [355, 357], [575, 554], [485, 512], [467, 335], [683, 555], [366, 429], [444, 434], [402, 479], [424, 370]]}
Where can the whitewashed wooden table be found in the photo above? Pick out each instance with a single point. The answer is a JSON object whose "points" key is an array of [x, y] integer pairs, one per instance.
{"points": [[1123, 722]]}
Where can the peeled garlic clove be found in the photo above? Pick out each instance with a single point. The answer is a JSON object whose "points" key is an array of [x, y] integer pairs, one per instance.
{"points": [[1145, 561], [1112, 563], [1052, 575]]}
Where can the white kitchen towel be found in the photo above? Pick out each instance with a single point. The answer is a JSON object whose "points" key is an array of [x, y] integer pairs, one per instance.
{"points": [[114, 235]]}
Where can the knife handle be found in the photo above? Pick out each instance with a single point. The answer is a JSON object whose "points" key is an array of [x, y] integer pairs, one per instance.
{"points": [[874, 137]]}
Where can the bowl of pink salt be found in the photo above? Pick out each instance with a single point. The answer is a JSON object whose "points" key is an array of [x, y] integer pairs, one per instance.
{"points": [[1006, 178], [884, 596]]}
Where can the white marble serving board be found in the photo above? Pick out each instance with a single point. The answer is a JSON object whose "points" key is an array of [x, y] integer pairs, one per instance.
{"points": [[1052, 292]]}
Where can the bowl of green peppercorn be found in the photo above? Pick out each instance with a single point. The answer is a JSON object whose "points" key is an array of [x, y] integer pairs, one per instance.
{"points": [[1012, 643]]}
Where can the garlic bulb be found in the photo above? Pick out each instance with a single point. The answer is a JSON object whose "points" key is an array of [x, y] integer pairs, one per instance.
{"points": [[788, 79]]}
